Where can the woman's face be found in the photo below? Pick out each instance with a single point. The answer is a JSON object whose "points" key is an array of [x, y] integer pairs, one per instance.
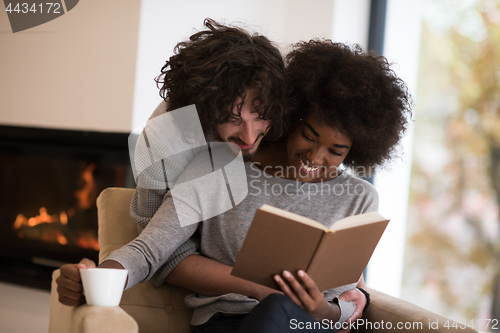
{"points": [[315, 151]]}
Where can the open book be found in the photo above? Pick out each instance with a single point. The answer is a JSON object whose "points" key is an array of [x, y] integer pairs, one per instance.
{"points": [[279, 240]]}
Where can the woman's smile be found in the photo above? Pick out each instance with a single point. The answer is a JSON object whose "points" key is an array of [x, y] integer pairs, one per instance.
{"points": [[305, 167], [316, 150]]}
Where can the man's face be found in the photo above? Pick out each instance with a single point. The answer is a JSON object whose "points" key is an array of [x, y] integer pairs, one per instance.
{"points": [[248, 130]]}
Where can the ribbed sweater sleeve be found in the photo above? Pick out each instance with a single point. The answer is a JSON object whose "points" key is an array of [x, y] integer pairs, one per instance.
{"points": [[149, 195]]}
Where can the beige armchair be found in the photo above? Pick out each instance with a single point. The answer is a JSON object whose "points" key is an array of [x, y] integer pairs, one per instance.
{"points": [[147, 309]]}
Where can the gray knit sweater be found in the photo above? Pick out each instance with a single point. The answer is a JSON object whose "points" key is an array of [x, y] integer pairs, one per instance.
{"points": [[222, 236], [147, 199]]}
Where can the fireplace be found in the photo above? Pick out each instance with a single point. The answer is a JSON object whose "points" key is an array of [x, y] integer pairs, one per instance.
{"points": [[49, 182]]}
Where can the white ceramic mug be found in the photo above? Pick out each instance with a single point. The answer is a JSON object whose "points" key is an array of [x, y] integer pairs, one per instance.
{"points": [[103, 286]]}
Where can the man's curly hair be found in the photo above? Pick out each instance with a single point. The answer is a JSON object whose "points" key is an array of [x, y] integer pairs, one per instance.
{"points": [[354, 92], [216, 66]]}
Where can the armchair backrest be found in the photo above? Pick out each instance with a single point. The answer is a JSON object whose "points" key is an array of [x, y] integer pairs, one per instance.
{"points": [[155, 309]]}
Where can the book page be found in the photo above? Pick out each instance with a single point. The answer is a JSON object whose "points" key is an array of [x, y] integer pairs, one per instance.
{"points": [[357, 220], [275, 243], [343, 255], [293, 216]]}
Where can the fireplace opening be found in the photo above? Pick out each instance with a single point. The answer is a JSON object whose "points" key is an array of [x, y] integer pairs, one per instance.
{"points": [[49, 183]]}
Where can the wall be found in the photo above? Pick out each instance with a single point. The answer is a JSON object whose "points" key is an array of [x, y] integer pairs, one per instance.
{"points": [[75, 72]]}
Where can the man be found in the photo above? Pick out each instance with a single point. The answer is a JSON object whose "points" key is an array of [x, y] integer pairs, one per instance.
{"points": [[236, 81]]}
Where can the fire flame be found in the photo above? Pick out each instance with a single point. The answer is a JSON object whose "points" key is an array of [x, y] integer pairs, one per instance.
{"points": [[86, 197], [88, 194], [43, 217]]}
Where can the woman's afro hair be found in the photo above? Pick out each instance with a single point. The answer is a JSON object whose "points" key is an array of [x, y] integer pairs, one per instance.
{"points": [[356, 93]]}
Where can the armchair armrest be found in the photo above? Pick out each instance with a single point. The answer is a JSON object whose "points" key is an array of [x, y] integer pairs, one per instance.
{"points": [[85, 318], [402, 316]]}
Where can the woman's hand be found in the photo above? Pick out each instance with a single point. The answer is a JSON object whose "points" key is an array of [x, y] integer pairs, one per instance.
{"points": [[359, 299], [310, 299]]}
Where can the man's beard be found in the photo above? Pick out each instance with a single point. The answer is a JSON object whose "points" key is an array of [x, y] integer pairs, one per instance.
{"points": [[247, 155]]}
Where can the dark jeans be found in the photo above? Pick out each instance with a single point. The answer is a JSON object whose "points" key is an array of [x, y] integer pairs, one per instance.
{"points": [[276, 313]]}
